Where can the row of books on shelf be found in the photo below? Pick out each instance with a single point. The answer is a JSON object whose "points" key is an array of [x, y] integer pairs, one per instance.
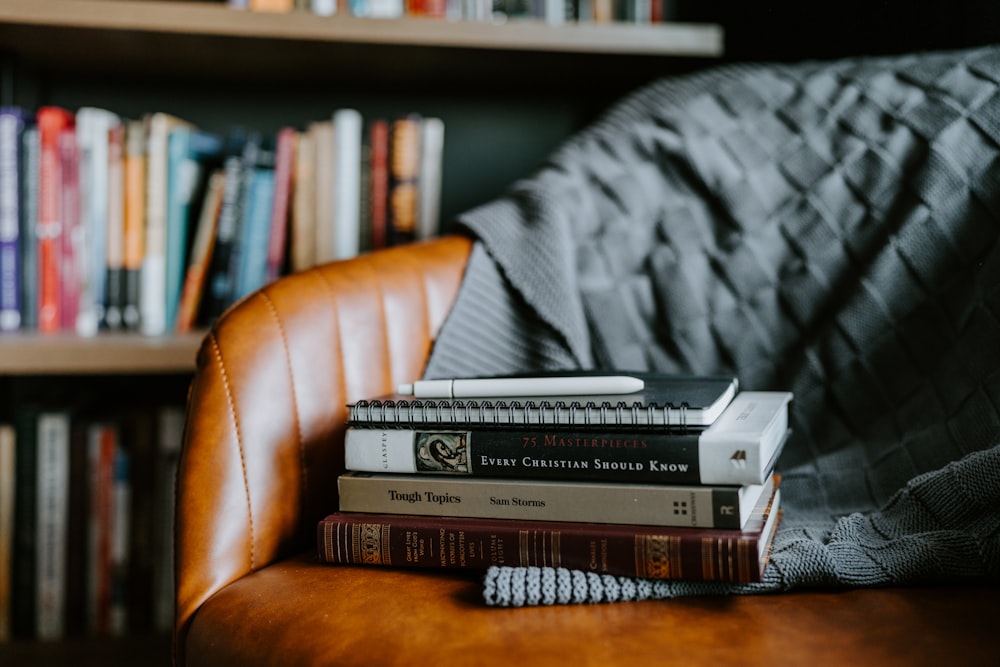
{"points": [[551, 11], [673, 481], [86, 521], [155, 224]]}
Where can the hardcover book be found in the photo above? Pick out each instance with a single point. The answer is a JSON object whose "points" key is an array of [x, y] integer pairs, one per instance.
{"points": [[12, 124], [28, 232], [52, 122], [654, 552], [192, 154], [8, 484], [741, 447], [153, 285], [665, 401], [94, 132], [696, 506]]}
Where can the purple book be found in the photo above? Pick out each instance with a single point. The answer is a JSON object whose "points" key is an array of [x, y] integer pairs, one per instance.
{"points": [[12, 123]]}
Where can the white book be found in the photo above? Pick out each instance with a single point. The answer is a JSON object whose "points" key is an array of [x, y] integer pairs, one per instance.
{"points": [[52, 523], [153, 285], [324, 7], [431, 164], [93, 126], [324, 138], [347, 183]]}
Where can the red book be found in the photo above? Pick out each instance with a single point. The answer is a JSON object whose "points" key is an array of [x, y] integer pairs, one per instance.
{"points": [[379, 188], [652, 552], [52, 121], [74, 251], [284, 172]]}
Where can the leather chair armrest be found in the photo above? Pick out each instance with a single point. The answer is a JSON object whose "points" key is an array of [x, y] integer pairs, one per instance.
{"points": [[263, 441]]}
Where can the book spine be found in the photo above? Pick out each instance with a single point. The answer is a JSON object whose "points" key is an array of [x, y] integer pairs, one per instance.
{"points": [[153, 285], [29, 227], [121, 502], [25, 565], [632, 504], [114, 286], [135, 216], [347, 183], [256, 231], [431, 157], [94, 127], [302, 251], [100, 450], [219, 289], [284, 174], [201, 253], [51, 523], [11, 129], [379, 183], [8, 485], [476, 544], [51, 122], [657, 458], [404, 178], [73, 260]]}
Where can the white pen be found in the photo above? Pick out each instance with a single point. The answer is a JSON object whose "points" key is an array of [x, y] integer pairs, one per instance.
{"points": [[582, 385]]}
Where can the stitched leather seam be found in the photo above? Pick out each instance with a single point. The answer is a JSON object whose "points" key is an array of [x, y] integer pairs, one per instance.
{"points": [[239, 441], [303, 469]]}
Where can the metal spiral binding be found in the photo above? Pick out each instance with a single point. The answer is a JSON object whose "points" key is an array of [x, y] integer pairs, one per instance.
{"points": [[398, 414]]}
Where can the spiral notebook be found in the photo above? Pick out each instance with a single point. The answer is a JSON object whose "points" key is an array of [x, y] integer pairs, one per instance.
{"points": [[665, 401]]}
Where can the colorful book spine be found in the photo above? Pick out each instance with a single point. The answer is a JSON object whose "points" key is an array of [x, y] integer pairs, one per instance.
{"points": [[52, 121], [12, 123], [378, 135], [286, 144], [94, 127], [114, 281], [190, 153], [73, 257], [696, 506], [201, 253], [28, 236], [404, 178], [650, 552], [153, 286], [135, 220], [256, 231]]}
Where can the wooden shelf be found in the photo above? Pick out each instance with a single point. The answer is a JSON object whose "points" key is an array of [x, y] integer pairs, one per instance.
{"points": [[180, 18], [210, 40], [119, 354]]}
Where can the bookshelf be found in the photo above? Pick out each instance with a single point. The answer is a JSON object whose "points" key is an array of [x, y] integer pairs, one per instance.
{"points": [[508, 93]]}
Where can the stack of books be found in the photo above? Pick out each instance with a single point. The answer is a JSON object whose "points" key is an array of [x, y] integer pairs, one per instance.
{"points": [[649, 475]]}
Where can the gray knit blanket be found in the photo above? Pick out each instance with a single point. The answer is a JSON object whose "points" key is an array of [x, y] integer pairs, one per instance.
{"points": [[829, 228]]}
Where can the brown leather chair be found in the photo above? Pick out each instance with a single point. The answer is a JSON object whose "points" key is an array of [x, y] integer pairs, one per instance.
{"points": [[262, 451]]}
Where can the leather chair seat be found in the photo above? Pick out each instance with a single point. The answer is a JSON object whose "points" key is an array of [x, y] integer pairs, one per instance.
{"points": [[263, 446]]}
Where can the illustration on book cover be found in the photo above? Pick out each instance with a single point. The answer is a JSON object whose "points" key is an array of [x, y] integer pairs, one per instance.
{"points": [[442, 452]]}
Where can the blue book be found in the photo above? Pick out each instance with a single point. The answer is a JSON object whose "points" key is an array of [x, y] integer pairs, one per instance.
{"points": [[12, 125], [30, 160], [190, 151], [256, 232]]}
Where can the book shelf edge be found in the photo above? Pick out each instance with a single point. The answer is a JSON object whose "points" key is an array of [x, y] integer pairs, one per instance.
{"points": [[215, 20]]}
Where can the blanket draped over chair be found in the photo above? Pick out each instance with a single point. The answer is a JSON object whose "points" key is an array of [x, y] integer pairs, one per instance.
{"points": [[829, 228]]}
